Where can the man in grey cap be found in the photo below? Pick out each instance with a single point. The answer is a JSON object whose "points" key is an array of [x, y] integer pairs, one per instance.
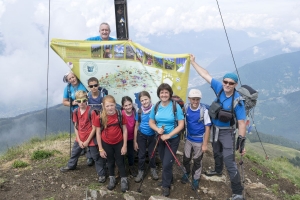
{"points": [[226, 118], [197, 134]]}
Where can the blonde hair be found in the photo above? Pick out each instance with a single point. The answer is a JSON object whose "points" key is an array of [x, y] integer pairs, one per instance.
{"points": [[80, 94], [106, 99]]}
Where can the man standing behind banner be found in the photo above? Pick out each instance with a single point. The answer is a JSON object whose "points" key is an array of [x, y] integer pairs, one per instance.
{"points": [[223, 127], [104, 31]]}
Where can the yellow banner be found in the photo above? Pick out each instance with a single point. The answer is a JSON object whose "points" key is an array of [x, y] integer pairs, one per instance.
{"points": [[124, 68]]}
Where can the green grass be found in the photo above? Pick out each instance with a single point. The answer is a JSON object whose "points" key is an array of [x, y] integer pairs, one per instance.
{"points": [[257, 171], [19, 164], [273, 151], [279, 167], [22, 150]]}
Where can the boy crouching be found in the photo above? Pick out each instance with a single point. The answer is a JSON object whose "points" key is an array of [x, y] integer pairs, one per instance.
{"points": [[85, 134]]}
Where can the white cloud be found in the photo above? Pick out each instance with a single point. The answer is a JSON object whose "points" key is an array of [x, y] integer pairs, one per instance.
{"points": [[288, 37]]}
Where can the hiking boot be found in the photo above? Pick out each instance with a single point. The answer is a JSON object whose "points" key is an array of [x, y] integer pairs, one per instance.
{"points": [[237, 197], [185, 178], [165, 191], [112, 183], [159, 184], [90, 162], [132, 171], [139, 177], [102, 179], [65, 169], [154, 174], [124, 184], [195, 184], [213, 173]]}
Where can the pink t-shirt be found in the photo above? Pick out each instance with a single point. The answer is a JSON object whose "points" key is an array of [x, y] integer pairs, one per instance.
{"points": [[130, 125]]}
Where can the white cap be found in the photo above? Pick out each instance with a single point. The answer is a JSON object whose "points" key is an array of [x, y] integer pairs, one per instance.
{"points": [[195, 93]]}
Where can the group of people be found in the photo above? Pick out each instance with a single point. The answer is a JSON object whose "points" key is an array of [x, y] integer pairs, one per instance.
{"points": [[110, 134]]}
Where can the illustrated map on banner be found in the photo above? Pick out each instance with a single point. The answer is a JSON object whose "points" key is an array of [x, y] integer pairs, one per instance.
{"points": [[124, 68]]}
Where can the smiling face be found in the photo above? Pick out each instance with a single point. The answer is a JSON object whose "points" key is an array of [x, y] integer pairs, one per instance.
{"points": [[127, 106], [228, 86], [72, 79], [104, 31], [164, 95], [195, 101], [145, 101]]}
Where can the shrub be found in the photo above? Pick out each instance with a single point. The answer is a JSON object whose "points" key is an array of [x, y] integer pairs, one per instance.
{"points": [[19, 164], [41, 154]]}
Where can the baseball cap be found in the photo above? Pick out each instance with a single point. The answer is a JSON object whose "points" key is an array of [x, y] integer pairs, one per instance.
{"points": [[195, 93]]}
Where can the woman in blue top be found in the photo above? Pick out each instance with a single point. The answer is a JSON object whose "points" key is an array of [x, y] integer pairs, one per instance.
{"points": [[164, 123], [73, 86], [144, 137]]}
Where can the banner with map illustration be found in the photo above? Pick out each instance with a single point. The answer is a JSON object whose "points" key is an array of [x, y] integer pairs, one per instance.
{"points": [[124, 68]]}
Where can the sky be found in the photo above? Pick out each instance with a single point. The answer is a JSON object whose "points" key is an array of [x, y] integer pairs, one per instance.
{"points": [[24, 34]]}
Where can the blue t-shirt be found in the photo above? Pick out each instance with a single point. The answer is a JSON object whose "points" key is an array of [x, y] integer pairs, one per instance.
{"points": [[144, 125], [95, 102], [73, 91], [98, 38], [195, 127], [227, 103], [164, 116]]}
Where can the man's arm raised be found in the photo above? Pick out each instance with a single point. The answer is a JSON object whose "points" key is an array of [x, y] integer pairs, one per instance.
{"points": [[201, 71]]}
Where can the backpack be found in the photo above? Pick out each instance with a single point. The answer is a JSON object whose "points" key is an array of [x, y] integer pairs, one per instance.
{"points": [[249, 96]]}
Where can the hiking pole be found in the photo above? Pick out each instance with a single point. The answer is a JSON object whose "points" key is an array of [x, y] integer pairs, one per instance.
{"points": [[153, 152], [243, 174], [181, 167]]}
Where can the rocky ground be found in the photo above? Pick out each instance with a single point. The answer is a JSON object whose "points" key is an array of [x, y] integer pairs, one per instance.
{"points": [[43, 180]]}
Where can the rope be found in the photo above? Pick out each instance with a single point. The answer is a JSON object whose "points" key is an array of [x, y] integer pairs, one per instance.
{"points": [[238, 71], [47, 87]]}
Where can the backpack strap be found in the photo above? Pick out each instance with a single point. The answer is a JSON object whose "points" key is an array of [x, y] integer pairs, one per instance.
{"points": [[76, 115], [120, 119], [140, 115], [202, 110]]}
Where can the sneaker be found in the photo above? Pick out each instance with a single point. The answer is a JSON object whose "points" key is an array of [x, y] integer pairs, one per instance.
{"points": [[185, 178], [139, 177], [166, 191], [237, 197], [65, 169], [102, 179], [112, 183], [124, 184], [213, 173], [154, 174], [90, 162], [195, 184], [132, 171]]}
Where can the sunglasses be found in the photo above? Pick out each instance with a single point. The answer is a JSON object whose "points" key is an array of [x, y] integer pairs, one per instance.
{"points": [[228, 82], [81, 100], [91, 86]]}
